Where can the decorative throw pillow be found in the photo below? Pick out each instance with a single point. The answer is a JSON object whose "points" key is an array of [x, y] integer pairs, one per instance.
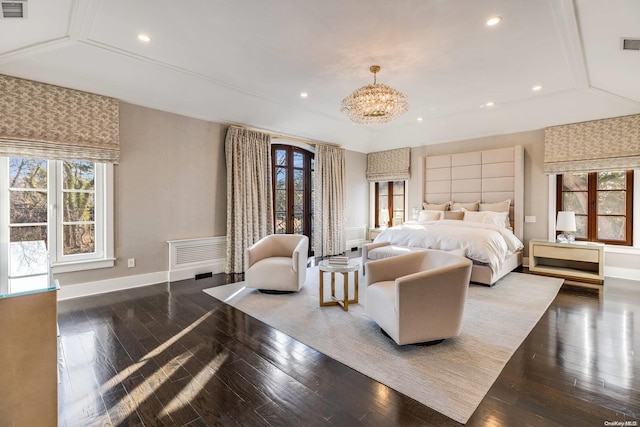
{"points": [[458, 215], [473, 216], [430, 215], [435, 207], [496, 207], [473, 206]]}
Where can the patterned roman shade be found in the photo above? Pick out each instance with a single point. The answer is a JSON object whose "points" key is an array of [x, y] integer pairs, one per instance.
{"points": [[608, 144], [390, 165], [44, 121]]}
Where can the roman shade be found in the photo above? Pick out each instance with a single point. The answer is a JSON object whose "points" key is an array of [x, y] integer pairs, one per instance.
{"points": [[608, 144], [390, 165], [44, 121]]}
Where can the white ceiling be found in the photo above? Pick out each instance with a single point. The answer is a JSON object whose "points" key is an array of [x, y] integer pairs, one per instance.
{"points": [[246, 61]]}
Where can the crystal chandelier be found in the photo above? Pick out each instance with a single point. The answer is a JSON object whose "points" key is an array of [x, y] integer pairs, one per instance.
{"points": [[376, 103]]}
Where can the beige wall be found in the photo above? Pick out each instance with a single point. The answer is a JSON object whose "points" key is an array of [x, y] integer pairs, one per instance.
{"points": [[170, 184], [357, 207]]}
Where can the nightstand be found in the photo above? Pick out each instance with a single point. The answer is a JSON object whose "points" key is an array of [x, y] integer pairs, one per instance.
{"points": [[582, 261]]}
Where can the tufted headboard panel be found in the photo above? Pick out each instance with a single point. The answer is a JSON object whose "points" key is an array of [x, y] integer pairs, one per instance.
{"points": [[489, 176]]}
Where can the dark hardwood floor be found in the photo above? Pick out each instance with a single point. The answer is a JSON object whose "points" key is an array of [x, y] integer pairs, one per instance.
{"points": [[171, 355]]}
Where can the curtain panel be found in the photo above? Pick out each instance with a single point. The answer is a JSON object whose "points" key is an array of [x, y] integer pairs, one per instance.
{"points": [[249, 201], [329, 203], [44, 121], [608, 144], [390, 165]]}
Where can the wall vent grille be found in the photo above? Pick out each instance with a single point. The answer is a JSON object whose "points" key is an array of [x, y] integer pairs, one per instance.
{"points": [[14, 9], [194, 256]]}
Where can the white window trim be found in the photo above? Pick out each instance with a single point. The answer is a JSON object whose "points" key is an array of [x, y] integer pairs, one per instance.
{"points": [[635, 249], [105, 259]]}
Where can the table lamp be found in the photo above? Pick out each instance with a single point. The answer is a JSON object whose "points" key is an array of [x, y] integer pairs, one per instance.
{"points": [[566, 224]]}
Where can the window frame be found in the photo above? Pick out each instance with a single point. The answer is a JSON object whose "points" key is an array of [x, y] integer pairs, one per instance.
{"points": [[103, 256], [592, 203], [390, 195]]}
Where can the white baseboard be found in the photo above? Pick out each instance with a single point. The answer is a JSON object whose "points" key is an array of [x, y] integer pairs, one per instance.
{"points": [[189, 273], [622, 273], [355, 244], [110, 285]]}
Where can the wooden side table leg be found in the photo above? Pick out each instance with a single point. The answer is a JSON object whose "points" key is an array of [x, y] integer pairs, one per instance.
{"points": [[321, 287], [355, 280], [345, 277], [333, 284]]}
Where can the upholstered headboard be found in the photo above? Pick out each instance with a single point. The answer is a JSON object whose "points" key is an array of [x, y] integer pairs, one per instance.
{"points": [[489, 176]]}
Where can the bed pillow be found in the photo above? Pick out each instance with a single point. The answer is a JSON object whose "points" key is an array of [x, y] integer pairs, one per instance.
{"points": [[498, 218], [472, 216], [430, 215], [496, 207], [458, 215], [473, 206], [435, 207]]}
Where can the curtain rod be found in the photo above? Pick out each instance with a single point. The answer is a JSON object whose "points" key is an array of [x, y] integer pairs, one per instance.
{"points": [[287, 137]]}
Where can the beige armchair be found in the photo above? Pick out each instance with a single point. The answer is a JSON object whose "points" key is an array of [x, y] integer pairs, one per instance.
{"points": [[418, 297], [277, 263]]}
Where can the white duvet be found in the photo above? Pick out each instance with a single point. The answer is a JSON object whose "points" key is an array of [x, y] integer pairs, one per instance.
{"points": [[484, 243]]}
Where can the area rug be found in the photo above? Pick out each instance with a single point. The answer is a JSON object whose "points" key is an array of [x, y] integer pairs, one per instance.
{"points": [[452, 377]]}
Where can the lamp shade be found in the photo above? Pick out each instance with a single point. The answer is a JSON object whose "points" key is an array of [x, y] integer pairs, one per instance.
{"points": [[566, 221]]}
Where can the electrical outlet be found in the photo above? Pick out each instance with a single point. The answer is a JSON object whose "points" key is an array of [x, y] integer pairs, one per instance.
{"points": [[131, 262], [529, 219]]}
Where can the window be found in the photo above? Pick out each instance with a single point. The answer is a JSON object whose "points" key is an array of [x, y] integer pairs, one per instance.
{"points": [[389, 203], [53, 211], [602, 202]]}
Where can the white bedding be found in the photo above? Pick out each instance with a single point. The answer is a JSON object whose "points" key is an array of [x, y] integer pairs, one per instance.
{"points": [[484, 243]]}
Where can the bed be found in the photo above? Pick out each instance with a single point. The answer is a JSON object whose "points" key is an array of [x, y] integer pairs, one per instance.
{"points": [[488, 178]]}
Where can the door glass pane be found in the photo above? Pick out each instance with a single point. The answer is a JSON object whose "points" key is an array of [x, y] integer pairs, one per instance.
{"points": [[611, 228], [78, 207], [298, 223], [298, 179], [28, 250], [79, 239], [78, 175], [27, 173], [281, 223], [612, 180], [281, 201], [281, 178], [575, 182], [612, 202], [298, 200], [398, 188], [28, 207], [576, 202], [298, 160], [383, 188], [281, 157]]}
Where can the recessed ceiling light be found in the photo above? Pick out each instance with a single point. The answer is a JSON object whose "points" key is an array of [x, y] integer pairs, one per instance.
{"points": [[304, 95], [144, 38], [536, 88], [494, 20], [489, 104], [419, 119]]}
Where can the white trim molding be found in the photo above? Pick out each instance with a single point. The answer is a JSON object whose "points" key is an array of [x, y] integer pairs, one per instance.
{"points": [[110, 285]]}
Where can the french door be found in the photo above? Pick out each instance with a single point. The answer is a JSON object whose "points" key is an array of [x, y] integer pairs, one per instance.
{"points": [[293, 191]]}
